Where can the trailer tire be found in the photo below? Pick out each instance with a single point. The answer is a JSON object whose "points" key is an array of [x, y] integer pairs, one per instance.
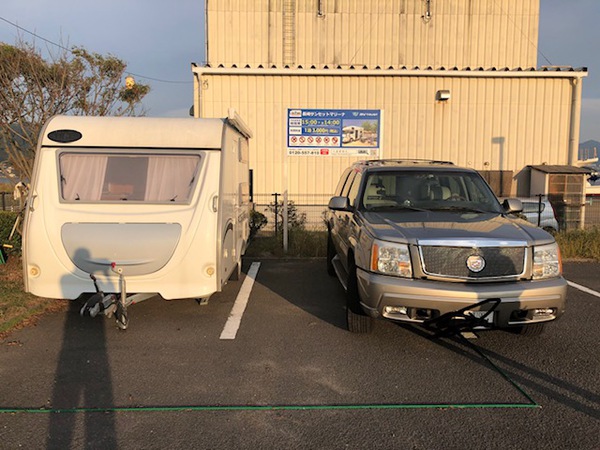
{"points": [[237, 272]]}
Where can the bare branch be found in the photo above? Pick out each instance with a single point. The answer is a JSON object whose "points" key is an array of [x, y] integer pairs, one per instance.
{"points": [[76, 82]]}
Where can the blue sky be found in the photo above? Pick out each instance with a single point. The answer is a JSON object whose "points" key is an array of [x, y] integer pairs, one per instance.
{"points": [[159, 40]]}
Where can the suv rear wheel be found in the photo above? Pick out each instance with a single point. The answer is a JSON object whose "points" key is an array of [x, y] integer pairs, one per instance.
{"points": [[357, 320]]}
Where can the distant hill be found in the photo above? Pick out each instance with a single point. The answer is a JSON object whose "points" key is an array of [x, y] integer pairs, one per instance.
{"points": [[589, 149]]}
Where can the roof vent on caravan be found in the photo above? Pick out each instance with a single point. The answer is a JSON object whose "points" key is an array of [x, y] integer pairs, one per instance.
{"points": [[64, 136]]}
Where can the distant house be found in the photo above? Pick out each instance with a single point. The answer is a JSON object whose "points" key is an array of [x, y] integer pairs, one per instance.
{"points": [[589, 150]]}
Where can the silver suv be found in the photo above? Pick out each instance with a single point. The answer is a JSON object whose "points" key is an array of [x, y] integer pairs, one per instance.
{"points": [[428, 242]]}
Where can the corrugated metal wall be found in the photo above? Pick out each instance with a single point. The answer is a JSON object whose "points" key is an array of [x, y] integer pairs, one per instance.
{"points": [[490, 123], [457, 33]]}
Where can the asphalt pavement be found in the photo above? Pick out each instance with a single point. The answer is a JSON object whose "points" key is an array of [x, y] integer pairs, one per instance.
{"points": [[293, 377]]}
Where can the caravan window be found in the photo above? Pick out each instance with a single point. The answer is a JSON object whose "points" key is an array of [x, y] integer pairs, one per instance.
{"points": [[112, 177]]}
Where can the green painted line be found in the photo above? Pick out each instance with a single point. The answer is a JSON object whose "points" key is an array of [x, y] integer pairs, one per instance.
{"points": [[266, 408], [331, 407]]}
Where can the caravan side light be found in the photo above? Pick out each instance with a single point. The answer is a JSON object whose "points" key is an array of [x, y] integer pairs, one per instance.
{"points": [[34, 271]]}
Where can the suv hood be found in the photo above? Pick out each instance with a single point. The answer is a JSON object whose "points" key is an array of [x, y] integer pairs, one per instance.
{"points": [[414, 226]]}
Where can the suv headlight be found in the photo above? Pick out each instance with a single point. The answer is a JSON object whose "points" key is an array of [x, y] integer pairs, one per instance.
{"points": [[391, 259], [547, 262]]}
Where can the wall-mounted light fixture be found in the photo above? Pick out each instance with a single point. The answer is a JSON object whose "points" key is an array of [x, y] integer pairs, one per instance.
{"points": [[427, 15], [442, 95], [320, 13]]}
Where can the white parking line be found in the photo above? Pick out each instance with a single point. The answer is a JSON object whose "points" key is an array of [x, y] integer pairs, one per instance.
{"points": [[584, 289], [235, 316]]}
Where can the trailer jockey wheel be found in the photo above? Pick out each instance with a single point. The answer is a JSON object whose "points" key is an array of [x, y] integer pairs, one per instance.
{"points": [[121, 316]]}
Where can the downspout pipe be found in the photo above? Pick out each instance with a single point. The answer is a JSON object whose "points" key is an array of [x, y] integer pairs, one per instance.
{"points": [[576, 84]]}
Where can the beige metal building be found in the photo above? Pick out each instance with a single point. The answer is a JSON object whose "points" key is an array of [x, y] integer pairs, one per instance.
{"points": [[449, 33], [453, 80]]}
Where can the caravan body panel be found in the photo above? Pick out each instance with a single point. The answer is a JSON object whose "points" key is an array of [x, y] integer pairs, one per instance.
{"points": [[139, 194]]}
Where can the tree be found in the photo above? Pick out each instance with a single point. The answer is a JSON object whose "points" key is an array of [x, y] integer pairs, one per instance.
{"points": [[74, 82]]}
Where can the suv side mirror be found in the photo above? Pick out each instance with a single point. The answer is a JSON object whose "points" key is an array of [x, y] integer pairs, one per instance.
{"points": [[512, 205], [339, 204]]}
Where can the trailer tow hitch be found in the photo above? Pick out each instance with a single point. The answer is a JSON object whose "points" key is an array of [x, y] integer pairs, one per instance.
{"points": [[109, 304], [464, 319]]}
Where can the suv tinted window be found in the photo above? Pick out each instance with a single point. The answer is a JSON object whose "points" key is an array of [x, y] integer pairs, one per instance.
{"points": [[342, 182], [346, 188], [354, 190]]}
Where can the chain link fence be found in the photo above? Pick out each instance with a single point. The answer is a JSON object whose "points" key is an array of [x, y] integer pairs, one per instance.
{"points": [[305, 211]]}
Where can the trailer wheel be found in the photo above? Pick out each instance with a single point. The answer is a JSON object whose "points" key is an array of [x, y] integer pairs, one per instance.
{"points": [[237, 272], [121, 317]]}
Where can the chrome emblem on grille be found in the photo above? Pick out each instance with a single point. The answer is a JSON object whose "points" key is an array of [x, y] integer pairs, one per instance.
{"points": [[475, 263]]}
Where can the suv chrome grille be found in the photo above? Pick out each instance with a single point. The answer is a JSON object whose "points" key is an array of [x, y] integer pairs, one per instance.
{"points": [[500, 262]]}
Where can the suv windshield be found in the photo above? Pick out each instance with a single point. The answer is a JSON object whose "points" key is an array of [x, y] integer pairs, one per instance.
{"points": [[430, 190]]}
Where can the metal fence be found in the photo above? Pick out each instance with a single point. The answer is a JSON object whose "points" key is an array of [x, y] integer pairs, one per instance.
{"points": [[308, 211], [305, 211], [592, 211], [8, 202]]}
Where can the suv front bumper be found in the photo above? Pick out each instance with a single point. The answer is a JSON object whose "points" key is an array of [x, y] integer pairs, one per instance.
{"points": [[410, 300]]}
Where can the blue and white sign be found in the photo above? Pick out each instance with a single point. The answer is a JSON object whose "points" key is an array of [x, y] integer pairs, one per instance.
{"points": [[333, 132]]}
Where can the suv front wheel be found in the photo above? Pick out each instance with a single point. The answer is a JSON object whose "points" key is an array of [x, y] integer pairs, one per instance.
{"points": [[535, 329], [357, 320], [330, 255]]}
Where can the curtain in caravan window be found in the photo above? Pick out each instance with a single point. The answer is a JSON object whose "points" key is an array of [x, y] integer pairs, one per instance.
{"points": [[170, 178], [82, 176]]}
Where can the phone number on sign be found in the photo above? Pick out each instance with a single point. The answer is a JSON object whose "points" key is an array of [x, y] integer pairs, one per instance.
{"points": [[308, 152]]}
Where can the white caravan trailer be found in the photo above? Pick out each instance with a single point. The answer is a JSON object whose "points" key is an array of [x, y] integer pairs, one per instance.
{"points": [[133, 207]]}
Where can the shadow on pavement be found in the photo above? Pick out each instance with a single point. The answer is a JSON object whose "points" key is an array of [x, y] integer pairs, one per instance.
{"points": [[82, 380]]}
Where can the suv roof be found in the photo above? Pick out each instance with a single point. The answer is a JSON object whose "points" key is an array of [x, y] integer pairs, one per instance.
{"points": [[407, 164], [403, 162]]}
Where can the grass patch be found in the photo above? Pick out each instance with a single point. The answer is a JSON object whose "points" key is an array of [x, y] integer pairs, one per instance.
{"points": [[579, 244], [301, 243], [17, 308]]}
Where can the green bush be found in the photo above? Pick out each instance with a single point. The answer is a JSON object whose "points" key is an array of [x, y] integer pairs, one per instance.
{"points": [[257, 221], [296, 220], [7, 221]]}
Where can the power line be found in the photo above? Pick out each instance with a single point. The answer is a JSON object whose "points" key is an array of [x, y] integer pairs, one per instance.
{"points": [[523, 33], [34, 35], [70, 51]]}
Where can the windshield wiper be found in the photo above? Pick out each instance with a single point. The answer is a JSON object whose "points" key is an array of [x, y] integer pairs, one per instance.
{"points": [[400, 206], [463, 208]]}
